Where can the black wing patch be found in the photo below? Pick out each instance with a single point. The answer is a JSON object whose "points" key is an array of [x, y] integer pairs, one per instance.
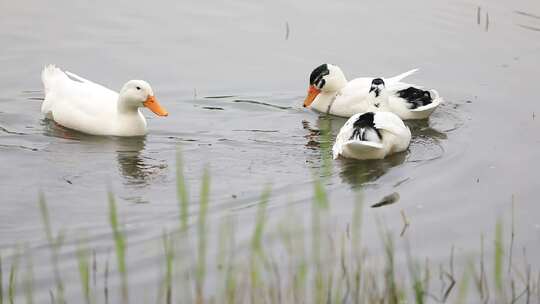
{"points": [[415, 97], [362, 124]]}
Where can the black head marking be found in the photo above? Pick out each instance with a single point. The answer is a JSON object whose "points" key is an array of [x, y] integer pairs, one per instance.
{"points": [[375, 86], [377, 81], [316, 77]]}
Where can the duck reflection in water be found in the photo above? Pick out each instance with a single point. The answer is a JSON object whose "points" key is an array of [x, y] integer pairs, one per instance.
{"points": [[134, 167], [421, 128], [359, 173]]}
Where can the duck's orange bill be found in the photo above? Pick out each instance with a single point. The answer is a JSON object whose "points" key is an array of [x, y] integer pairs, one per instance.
{"points": [[154, 106], [311, 94]]}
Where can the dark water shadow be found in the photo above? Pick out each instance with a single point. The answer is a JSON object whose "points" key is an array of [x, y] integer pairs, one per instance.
{"points": [[359, 173], [133, 165], [53, 129], [422, 128]]}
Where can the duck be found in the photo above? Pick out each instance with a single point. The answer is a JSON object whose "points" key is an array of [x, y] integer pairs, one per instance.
{"points": [[85, 106], [371, 135], [330, 92]]}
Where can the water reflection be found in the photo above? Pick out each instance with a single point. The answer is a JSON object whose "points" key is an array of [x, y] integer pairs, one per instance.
{"points": [[358, 173], [425, 146], [323, 131], [51, 128], [422, 128], [134, 166], [320, 138]]}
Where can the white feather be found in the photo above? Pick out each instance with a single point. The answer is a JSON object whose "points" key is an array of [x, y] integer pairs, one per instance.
{"points": [[395, 138]]}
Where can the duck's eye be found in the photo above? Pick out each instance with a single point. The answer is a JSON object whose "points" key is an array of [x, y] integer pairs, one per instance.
{"points": [[320, 83], [138, 88]]}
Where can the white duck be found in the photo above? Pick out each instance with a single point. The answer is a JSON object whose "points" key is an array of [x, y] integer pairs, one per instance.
{"points": [[329, 92], [88, 107], [371, 135]]}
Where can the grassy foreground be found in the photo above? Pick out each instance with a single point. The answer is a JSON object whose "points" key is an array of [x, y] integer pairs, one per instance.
{"points": [[316, 266]]}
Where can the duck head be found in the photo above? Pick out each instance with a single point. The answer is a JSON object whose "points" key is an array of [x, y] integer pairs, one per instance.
{"points": [[377, 85], [326, 78], [138, 93]]}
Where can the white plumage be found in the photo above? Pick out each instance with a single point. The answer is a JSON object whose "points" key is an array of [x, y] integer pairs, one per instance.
{"points": [[330, 92], [371, 135], [88, 107]]}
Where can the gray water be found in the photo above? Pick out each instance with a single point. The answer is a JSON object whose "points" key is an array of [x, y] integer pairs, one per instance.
{"points": [[464, 165]]}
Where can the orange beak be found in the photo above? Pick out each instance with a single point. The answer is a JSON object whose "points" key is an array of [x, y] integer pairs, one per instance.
{"points": [[154, 106], [311, 94]]}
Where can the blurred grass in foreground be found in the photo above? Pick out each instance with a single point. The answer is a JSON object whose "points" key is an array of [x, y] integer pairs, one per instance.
{"points": [[336, 269]]}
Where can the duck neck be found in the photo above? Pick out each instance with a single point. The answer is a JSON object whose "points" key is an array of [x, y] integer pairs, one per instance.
{"points": [[126, 108], [325, 100]]}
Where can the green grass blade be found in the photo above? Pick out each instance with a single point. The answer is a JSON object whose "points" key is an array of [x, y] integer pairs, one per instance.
{"points": [[181, 190], [325, 127], [120, 247], [12, 283], [499, 253], [320, 202], [29, 278], [256, 239], [260, 221], [168, 248], [231, 286], [11, 286], [84, 270], [390, 274], [463, 288], [201, 261], [321, 198], [54, 244]]}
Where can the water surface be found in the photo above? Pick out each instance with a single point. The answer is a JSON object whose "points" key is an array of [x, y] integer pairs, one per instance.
{"points": [[463, 166]]}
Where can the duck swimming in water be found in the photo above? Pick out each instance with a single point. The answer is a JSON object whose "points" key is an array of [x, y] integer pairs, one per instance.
{"points": [[330, 92], [371, 135], [85, 106]]}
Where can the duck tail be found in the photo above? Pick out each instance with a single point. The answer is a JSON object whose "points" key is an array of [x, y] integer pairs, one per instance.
{"points": [[402, 76], [50, 75]]}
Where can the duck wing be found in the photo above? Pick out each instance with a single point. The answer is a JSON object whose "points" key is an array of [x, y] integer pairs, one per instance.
{"points": [[78, 101], [389, 122], [360, 134]]}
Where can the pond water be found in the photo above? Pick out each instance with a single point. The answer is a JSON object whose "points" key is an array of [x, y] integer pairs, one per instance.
{"points": [[476, 153]]}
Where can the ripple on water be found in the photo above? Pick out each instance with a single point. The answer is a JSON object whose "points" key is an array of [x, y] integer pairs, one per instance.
{"points": [[429, 135]]}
